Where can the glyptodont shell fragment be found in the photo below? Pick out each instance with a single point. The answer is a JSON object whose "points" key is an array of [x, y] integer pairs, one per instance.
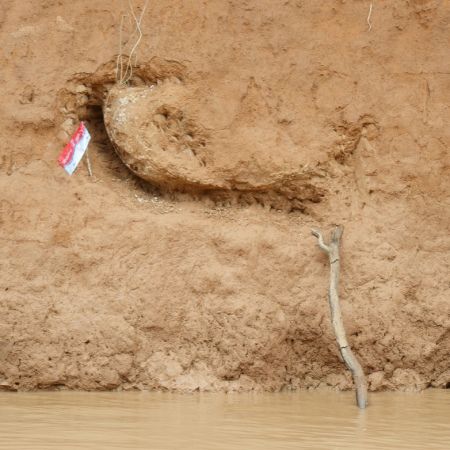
{"points": [[178, 138]]}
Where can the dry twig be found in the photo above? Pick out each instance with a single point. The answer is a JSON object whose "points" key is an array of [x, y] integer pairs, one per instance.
{"points": [[332, 250], [88, 162]]}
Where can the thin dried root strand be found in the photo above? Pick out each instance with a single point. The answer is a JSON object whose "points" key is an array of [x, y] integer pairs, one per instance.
{"points": [[129, 69], [124, 75], [119, 63], [368, 17]]}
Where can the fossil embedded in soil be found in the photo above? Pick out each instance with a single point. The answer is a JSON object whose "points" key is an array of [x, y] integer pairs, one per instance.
{"points": [[170, 137]]}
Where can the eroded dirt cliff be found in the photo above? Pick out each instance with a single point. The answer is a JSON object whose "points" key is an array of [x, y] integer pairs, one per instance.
{"points": [[111, 282]]}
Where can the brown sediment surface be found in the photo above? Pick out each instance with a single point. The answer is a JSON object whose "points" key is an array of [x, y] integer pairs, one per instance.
{"points": [[276, 117]]}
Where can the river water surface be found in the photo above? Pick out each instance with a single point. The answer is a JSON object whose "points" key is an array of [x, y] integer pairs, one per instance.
{"points": [[304, 420]]}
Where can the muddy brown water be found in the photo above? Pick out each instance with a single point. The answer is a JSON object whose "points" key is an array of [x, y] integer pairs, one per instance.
{"points": [[304, 420]]}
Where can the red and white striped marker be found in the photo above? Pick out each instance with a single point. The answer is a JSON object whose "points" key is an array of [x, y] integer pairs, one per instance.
{"points": [[75, 149]]}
